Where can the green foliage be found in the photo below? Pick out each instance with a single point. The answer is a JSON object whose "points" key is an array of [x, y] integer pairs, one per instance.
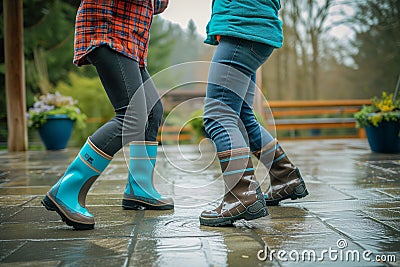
{"points": [[54, 104], [192, 30], [382, 109], [93, 101], [260, 119], [377, 57], [196, 122], [51, 30], [162, 41], [90, 94]]}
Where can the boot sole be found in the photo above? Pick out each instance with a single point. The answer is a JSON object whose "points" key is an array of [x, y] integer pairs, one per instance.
{"points": [[299, 191], [51, 206], [254, 211], [130, 204]]}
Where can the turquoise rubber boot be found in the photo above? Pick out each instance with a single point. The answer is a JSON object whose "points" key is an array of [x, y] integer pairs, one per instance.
{"points": [[67, 197], [140, 192]]}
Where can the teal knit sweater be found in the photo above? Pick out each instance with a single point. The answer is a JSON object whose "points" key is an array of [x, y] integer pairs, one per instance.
{"points": [[255, 20]]}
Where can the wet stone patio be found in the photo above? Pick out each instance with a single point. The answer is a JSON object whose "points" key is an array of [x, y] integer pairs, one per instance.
{"points": [[350, 218]]}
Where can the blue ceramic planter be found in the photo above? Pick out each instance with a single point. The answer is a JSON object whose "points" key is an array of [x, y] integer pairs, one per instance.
{"points": [[384, 138], [56, 132]]}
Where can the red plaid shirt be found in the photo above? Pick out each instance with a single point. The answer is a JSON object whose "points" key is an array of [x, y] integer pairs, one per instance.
{"points": [[123, 25]]}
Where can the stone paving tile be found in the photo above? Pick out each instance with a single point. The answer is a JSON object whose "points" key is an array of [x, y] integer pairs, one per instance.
{"points": [[23, 181], [354, 196], [14, 200], [287, 212], [199, 251], [171, 226], [41, 215], [394, 223], [354, 204], [57, 230], [7, 212], [32, 215], [101, 199], [321, 192], [8, 247], [32, 263], [166, 251], [361, 193], [72, 251], [384, 214], [369, 233], [243, 250], [392, 192], [24, 190], [281, 226]]}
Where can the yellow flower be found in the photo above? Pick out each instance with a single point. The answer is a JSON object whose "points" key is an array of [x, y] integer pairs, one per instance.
{"points": [[385, 104], [376, 119]]}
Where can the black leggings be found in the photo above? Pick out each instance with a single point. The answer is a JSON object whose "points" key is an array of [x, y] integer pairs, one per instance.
{"points": [[137, 105]]}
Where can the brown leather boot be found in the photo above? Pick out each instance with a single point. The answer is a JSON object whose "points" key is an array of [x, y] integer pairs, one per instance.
{"points": [[286, 180], [243, 197]]}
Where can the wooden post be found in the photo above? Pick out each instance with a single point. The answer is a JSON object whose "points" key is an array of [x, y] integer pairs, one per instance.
{"points": [[258, 96], [15, 75]]}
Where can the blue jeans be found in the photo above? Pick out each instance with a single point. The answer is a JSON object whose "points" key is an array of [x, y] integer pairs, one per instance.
{"points": [[228, 115], [137, 105]]}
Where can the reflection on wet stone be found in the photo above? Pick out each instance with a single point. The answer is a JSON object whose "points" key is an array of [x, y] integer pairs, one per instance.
{"points": [[354, 196]]}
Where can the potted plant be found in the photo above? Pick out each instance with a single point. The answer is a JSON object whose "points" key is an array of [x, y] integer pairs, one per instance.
{"points": [[381, 120], [54, 115]]}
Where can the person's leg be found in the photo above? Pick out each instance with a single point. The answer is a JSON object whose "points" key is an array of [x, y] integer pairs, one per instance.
{"points": [[226, 89], [67, 196], [285, 179], [243, 198], [122, 81], [258, 136], [229, 79], [140, 192], [228, 117], [154, 106]]}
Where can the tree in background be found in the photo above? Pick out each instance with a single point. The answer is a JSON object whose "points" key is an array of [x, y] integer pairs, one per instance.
{"points": [[163, 37], [313, 64], [190, 46], [377, 39], [48, 41], [295, 70]]}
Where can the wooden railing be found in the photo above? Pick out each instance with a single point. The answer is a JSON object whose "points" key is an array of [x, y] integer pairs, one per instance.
{"points": [[174, 134], [166, 133], [315, 117], [292, 119]]}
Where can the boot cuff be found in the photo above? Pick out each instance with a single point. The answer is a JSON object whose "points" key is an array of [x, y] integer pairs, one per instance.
{"points": [[98, 150], [148, 143], [268, 147], [234, 152]]}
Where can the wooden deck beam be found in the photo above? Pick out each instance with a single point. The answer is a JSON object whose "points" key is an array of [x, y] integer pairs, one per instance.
{"points": [[15, 75]]}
